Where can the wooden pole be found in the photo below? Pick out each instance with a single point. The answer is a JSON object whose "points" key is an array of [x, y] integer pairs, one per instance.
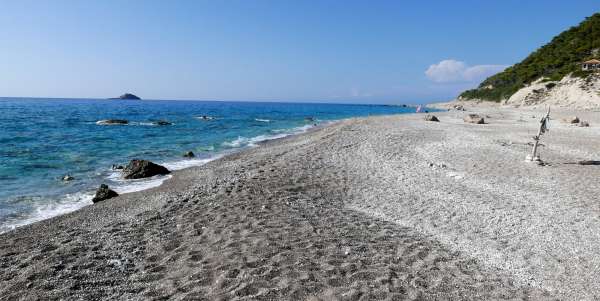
{"points": [[536, 139]]}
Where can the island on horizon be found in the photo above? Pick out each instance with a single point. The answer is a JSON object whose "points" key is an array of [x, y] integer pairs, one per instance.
{"points": [[127, 96]]}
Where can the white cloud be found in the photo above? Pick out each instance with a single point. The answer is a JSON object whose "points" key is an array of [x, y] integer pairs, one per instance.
{"points": [[452, 71]]}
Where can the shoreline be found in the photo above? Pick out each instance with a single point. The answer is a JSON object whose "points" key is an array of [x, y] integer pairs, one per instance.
{"points": [[375, 207], [130, 186]]}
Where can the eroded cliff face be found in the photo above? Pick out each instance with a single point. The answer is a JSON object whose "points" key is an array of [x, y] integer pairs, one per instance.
{"points": [[570, 92]]}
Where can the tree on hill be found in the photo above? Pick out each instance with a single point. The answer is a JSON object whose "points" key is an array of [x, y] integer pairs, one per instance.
{"points": [[552, 61]]}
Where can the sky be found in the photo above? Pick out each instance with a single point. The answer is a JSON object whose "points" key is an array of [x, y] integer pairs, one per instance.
{"points": [[253, 50]]}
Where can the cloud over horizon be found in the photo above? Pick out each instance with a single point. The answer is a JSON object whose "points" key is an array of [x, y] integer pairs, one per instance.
{"points": [[453, 71]]}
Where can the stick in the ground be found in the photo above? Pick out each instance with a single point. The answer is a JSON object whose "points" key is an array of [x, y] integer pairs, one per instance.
{"points": [[541, 131]]}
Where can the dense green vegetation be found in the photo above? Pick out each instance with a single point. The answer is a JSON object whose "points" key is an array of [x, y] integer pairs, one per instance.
{"points": [[553, 61]]}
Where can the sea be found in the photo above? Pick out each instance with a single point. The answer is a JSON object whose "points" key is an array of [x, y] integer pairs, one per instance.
{"points": [[42, 140]]}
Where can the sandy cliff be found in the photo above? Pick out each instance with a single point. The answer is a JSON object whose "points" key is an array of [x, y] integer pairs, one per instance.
{"points": [[570, 92]]}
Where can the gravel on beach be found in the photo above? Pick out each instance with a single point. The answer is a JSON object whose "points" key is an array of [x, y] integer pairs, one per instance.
{"points": [[378, 208]]}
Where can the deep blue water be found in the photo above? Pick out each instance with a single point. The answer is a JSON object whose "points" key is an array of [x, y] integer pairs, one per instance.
{"points": [[41, 140]]}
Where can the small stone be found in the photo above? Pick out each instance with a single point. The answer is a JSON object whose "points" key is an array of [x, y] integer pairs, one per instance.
{"points": [[189, 154], [474, 118], [431, 118], [583, 124], [572, 119]]}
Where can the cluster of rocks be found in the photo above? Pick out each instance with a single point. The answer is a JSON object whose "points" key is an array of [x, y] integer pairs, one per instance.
{"points": [[576, 121]]}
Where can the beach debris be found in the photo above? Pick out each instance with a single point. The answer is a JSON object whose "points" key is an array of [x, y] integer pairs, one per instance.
{"points": [[68, 178], [189, 154], [474, 118], [112, 122], [583, 124], [430, 117], [161, 122], [589, 162], [137, 169], [572, 119], [104, 193], [534, 157]]}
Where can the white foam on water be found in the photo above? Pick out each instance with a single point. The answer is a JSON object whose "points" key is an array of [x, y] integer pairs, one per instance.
{"points": [[46, 210], [253, 142], [262, 120], [181, 164], [127, 186]]}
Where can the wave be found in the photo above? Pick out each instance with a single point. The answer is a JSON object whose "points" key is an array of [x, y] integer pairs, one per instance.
{"points": [[46, 208], [253, 141], [262, 120]]}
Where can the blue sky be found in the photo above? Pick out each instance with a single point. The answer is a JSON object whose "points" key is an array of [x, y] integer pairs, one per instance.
{"points": [[328, 51]]}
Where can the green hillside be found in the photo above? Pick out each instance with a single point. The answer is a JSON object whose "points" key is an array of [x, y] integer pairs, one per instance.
{"points": [[552, 61]]}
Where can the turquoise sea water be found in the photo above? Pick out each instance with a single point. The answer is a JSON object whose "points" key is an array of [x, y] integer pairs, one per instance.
{"points": [[41, 140]]}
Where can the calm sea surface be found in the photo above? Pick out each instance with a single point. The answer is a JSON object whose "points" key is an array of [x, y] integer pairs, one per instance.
{"points": [[41, 140]]}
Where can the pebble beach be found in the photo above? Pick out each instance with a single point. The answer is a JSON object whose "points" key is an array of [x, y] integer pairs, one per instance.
{"points": [[377, 208]]}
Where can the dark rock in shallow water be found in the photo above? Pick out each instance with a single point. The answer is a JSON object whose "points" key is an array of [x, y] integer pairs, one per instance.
{"points": [[117, 167], [137, 169], [204, 117], [112, 122], [67, 178], [189, 154], [431, 118], [161, 122], [104, 193]]}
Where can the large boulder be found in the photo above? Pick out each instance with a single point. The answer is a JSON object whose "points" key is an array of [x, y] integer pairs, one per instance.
{"points": [[474, 118], [104, 193], [429, 117], [137, 169], [112, 122]]}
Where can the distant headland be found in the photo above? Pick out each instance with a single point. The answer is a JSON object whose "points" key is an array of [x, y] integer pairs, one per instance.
{"points": [[127, 96]]}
